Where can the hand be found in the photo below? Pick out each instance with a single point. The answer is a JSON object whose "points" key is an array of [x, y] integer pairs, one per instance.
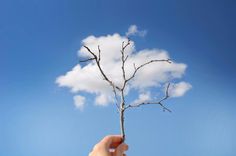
{"points": [[110, 146]]}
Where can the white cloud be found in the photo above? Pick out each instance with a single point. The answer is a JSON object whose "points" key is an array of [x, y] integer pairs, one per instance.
{"points": [[79, 102], [110, 46], [143, 97], [103, 99], [87, 78], [133, 30], [179, 89]]}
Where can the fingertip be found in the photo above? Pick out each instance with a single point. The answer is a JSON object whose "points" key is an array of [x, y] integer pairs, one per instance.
{"points": [[127, 147], [124, 147], [120, 150]]}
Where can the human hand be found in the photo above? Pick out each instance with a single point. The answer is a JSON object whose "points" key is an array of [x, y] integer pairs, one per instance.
{"points": [[110, 145]]}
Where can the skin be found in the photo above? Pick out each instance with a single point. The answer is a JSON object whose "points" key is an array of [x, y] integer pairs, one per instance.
{"points": [[110, 146]]}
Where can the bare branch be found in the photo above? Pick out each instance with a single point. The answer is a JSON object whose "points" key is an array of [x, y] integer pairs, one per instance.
{"points": [[115, 94], [95, 56], [124, 59], [158, 102], [122, 103], [98, 59], [99, 53], [89, 59], [100, 68], [141, 66], [134, 66], [122, 96]]}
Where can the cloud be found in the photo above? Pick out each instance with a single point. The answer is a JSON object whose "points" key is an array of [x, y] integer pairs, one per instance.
{"points": [[179, 89], [79, 101], [143, 97], [103, 99], [87, 78], [133, 30]]}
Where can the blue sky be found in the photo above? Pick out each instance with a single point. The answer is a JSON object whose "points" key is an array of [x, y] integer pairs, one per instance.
{"points": [[39, 40]]}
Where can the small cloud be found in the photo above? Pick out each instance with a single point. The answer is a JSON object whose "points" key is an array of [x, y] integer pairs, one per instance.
{"points": [[179, 89], [79, 102], [143, 97], [133, 31]]}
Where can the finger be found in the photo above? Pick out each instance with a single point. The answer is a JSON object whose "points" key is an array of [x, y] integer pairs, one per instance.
{"points": [[111, 141], [115, 144], [124, 147], [114, 154], [119, 151]]}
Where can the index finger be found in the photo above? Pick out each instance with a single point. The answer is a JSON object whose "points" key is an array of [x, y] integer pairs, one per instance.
{"points": [[112, 141]]}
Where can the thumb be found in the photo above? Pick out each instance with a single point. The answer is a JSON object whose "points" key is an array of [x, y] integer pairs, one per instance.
{"points": [[119, 151]]}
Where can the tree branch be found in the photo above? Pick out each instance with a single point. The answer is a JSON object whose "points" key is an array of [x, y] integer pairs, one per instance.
{"points": [[97, 59], [122, 96], [158, 102], [89, 59], [124, 59], [122, 106], [115, 94], [99, 53], [141, 66]]}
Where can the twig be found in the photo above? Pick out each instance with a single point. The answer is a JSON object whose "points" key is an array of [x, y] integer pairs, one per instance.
{"points": [[97, 59], [115, 94], [89, 59], [141, 66], [124, 59], [122, 107], [158, 102]]}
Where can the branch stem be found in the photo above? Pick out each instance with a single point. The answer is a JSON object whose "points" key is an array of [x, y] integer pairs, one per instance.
{"points": [[122, 119], [121, 89]]}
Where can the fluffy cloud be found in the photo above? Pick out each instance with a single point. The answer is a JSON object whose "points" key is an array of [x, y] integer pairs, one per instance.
{"points": [[87, 78], [133, 30], [179, 89], [79, 102]]}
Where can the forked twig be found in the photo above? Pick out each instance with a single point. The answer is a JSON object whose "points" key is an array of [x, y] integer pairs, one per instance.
{"points": [[122, 106], [157, 102]]}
